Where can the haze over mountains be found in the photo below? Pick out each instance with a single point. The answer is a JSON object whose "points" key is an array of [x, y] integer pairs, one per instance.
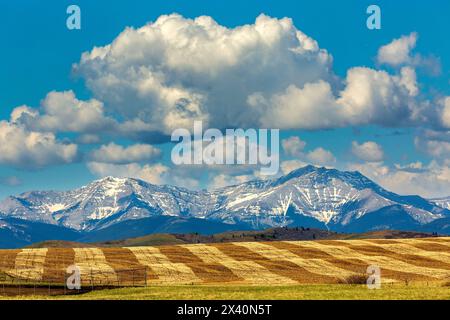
{"points": [[113, 208]]}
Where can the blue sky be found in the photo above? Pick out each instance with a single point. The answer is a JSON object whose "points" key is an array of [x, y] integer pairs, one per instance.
{"points": [[39, 52]]}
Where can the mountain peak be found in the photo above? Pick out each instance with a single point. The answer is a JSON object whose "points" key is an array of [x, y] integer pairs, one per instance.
{"points": [[324, 175], [111, 179]]}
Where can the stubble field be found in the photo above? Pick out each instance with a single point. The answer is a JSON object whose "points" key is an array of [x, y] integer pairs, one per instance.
{"points": [[414, 268]]}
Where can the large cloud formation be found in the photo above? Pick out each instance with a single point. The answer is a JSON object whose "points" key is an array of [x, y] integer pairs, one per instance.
{"points": [[176, 70], [150, 173], [294, 146], [398, 51], [22, 148], [63, 112], [169, 73], [369, 151], [430, 180], [369, 97], [116, 154]]}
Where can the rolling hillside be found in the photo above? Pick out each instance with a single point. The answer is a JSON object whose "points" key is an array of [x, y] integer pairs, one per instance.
{"points": [[272, 234], [237, 263]]}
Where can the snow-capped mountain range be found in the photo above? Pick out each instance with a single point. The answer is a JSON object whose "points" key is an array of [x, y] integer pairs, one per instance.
{"points": [[310, 196]]}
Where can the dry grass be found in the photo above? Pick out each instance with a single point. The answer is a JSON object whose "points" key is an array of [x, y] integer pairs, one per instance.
{"points": [[266, 292]]}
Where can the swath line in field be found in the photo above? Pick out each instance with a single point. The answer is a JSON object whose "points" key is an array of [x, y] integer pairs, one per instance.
{"points": [[208, 272], [434, 241], [343, 252], [316, 266], [163, 269], [283, 268], [353, 265], [306, 253], [56, 262], [430, 246], [334, 243], [93, 266], [127, 267], [121, 258], [359, 266], [250, 271], [415, 258], [30, 264], [378, 241], [445, 240], [427, 258], [8, 259]]}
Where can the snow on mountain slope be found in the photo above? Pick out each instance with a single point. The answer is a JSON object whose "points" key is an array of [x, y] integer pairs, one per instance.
{"points": [[442, 202], [330, 197], [327, 195], [103, 202]]}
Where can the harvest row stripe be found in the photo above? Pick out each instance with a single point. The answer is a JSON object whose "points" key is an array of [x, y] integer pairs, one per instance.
{"points": [[316, 266], [56, 262], [343, 252], [431, 246], [413, 259], [8, 259], [250, 271], [127, 267], [412, 252], [162, 269], [353, 265], [29, 264], [356, 266], [93, 266], [208, 272], [285, 268]]}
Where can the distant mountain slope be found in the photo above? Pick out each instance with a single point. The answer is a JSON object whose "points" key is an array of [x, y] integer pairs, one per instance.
{"points": [[310, 196], [16, 233], [443, 225], [442, 202], [159, 224]]}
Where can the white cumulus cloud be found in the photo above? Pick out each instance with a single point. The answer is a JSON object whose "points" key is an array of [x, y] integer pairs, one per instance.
{"points": [[113, 153], [368, 151], [398, 51], [293, 146], [321, 157], [445, 118], [150, 173], [177, 70], [22, 148], [63, 112], [432, 180], [369, 97]]}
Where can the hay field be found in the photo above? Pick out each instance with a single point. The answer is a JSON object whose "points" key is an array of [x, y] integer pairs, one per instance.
{"points": [[283, 263]]}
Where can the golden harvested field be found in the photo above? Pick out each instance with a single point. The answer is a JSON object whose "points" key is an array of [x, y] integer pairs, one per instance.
{"points": [[241, 263]]}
